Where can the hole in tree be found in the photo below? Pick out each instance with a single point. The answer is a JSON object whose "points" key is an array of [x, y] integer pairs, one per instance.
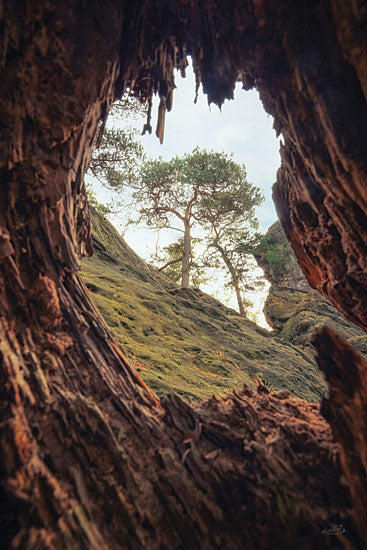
{"points": [[192, 341]]}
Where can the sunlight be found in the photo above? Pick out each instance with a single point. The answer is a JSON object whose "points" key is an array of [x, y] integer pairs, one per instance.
{"points": [[241, 128]]}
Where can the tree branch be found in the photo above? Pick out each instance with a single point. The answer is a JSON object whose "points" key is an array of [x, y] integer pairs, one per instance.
{"points": [[158, 208], [191, 202], [168, 209], [163, 227], [171, 262]]}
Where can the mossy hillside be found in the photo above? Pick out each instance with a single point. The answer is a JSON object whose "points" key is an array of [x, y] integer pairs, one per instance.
{"points": [[183, 340]]}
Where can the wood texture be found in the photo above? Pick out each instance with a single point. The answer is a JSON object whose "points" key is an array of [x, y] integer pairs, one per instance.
{"points": [[89, 459]]}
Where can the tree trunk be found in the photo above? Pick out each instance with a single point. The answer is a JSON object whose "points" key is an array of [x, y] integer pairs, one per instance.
{"points": [[90, 458], [346, 407], [234, 279], [186, 255], [239, 297]]}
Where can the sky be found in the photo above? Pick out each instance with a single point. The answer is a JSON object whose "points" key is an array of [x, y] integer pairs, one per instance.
{"points": [[241, 127]]}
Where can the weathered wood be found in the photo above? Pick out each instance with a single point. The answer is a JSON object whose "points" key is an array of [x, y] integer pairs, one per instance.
{"points": [[320, 192], [346, 411], [89, 459]]}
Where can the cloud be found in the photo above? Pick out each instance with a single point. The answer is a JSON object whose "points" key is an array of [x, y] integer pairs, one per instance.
{"points": [[241, 127], [224, 136]]}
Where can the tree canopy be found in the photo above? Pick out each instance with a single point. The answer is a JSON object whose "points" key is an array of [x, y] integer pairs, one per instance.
{"points": [[234, 248], [210, 190], [167, 198], [206, 189], [226, 211], [117, 155]]}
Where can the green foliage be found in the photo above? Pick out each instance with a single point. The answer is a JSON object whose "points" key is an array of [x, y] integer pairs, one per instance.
{"points": [[160, 195], [210, 190], [226, 210], [217, 186], [117, 156], [101, 208], [234, 247], [173, 271], [225, 195], [117, 160], [276, 254]]}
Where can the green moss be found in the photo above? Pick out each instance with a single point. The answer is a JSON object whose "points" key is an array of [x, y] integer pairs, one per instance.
{"points": [[292, 308], [297, 315], [172, 335], [360, 343]]}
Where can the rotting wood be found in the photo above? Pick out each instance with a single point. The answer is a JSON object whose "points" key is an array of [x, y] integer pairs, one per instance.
{"points": [[88, 461], [346, 410]]}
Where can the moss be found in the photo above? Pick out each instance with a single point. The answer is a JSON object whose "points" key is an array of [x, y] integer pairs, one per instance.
{"points": [[302, 313], [175, 333], [292, 308], [360, 343]]}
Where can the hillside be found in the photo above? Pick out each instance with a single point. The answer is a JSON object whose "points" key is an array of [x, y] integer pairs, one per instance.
{"points": [[184, 340]]}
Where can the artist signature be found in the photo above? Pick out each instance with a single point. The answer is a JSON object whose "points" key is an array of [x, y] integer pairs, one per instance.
{"points": [[339, 531]]}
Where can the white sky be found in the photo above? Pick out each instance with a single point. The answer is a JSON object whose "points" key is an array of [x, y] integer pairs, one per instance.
{"points": [[241, 127]]}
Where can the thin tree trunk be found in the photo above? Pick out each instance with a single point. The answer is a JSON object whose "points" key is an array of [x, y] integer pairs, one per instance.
{"points": [[186, 255], [238, 296], [234, 279]]}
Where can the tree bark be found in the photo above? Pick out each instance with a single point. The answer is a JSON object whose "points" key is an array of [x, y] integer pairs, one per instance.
{"points": [[90, 458], [239, 297], [234, 279], [346, 409], [171, 262], [186, 255]]}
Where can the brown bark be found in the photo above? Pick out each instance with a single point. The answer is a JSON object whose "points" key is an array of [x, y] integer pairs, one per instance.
{"points": [[171, 262], [239, 299], [90, 459], [186, 255], [234, 279], [346, 410], [320, 192], [186, 252]]}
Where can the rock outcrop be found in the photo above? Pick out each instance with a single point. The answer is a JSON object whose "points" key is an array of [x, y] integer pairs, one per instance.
{"points": [[293, 309]]}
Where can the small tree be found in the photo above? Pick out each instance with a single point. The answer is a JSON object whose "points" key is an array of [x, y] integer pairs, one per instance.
{"points": [[171, 262], [233, 249], [206, 188], [165, 196], [226, 209]]}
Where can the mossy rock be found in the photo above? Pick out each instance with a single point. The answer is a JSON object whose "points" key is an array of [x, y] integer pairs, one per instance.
{"points": [[359, 343], [292, 308]]}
